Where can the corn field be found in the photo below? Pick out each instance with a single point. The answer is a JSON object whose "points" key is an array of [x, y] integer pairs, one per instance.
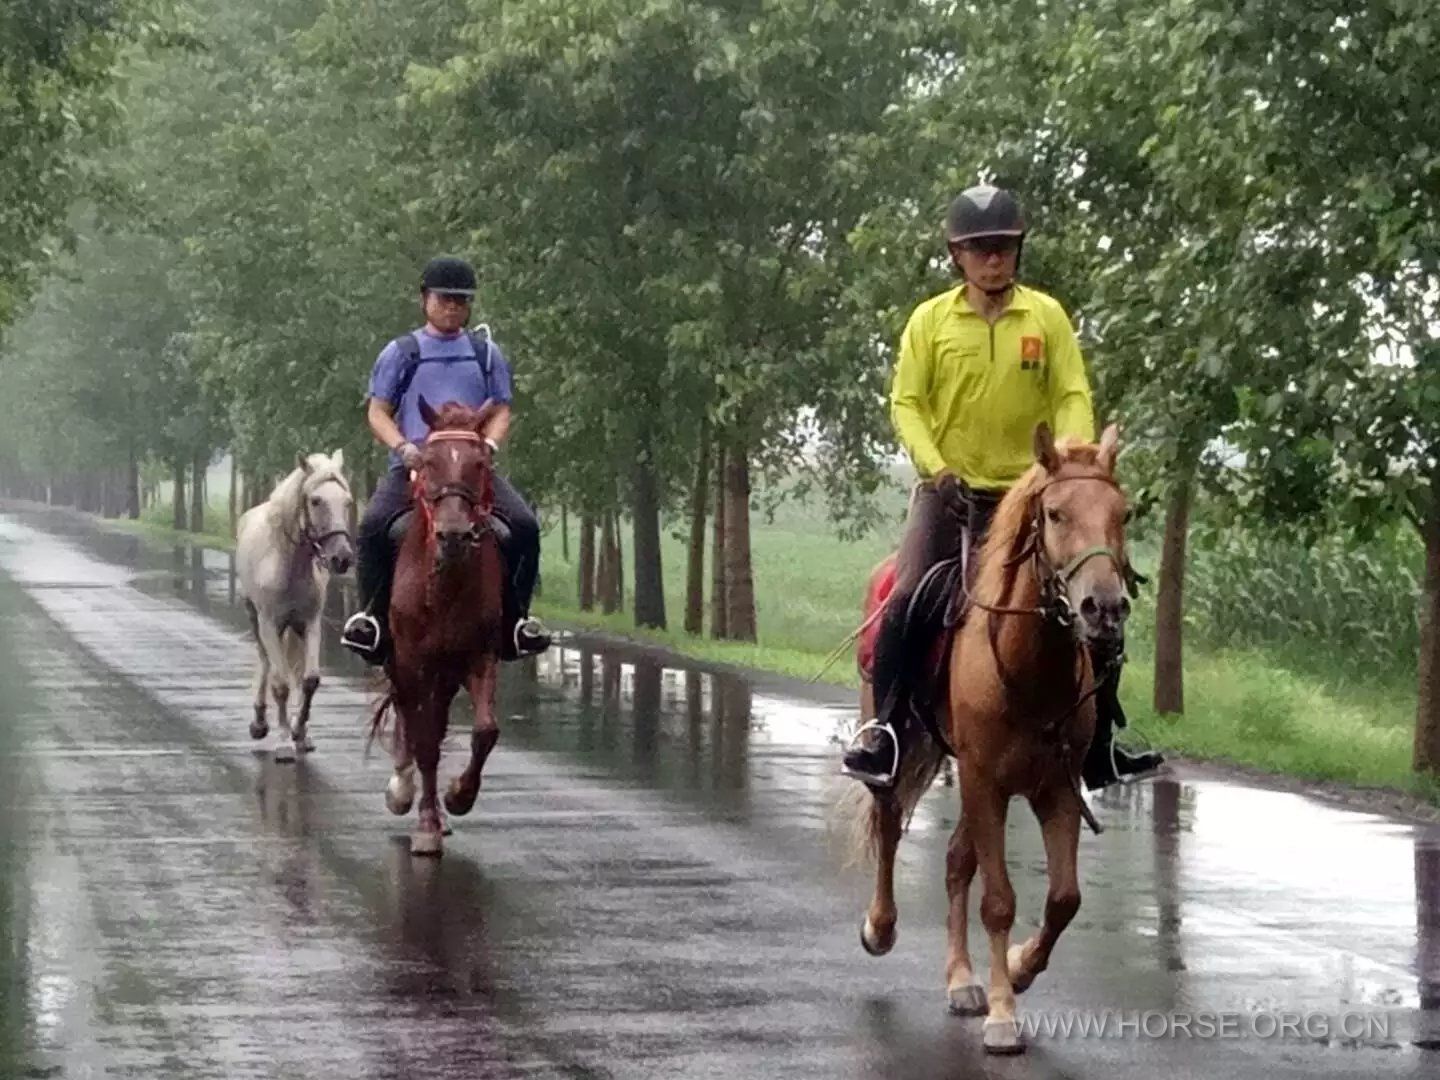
{"points": [[1352, 606]]}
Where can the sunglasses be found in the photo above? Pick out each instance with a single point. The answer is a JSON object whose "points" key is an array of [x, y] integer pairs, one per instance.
{"points": [[991, 245], [452, 298]]}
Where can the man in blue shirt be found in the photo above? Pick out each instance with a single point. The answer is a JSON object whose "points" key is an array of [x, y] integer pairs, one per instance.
{"points": [[440, 362]]}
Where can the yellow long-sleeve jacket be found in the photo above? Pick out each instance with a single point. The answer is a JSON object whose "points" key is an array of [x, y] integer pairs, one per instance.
{"points": [[967, 395]]}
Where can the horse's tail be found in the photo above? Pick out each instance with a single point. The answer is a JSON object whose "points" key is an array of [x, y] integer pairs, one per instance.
{"points": [[384, 709], [867, 812]]}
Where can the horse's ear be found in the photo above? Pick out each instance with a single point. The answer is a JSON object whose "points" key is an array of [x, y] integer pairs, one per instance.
{"points": [[1109, 448], [427, 414], [338, 458], [302, 462], [1045, 452]]}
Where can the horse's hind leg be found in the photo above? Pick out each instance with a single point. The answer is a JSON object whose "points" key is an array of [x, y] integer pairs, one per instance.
{"points": [[460, 796], [259, 726], [877, 936], [1058, 809], [964, 992]]}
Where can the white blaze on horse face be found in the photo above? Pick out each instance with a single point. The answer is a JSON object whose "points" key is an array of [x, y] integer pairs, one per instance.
{"points": [[454, 456]]}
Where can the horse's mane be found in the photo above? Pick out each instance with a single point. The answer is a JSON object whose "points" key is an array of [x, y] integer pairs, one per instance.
{"points": [[1011, 526], [288, 497]]}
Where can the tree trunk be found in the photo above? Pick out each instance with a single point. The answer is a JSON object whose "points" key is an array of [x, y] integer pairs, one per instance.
{"points": [[587, 562], [132, 485], [609, 564], [235, 494], [197, 494], [1427, 711], [564, 535], [695, 560], [719, 624], [739, 577], [1169, 603], [645, 526], [179, 518]]}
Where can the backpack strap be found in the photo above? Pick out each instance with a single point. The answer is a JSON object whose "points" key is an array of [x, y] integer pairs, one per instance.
{"points": [[409, 346]]}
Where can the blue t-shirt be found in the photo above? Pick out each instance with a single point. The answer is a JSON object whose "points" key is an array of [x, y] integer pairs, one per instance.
{"points": [[448, 371]]}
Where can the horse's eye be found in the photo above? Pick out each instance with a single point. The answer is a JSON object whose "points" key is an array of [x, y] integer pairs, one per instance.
{"points": [[314, 500], [1055, 516]]}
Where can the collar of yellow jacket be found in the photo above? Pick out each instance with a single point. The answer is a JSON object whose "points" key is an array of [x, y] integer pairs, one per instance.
{"points": [[1021, 299]]}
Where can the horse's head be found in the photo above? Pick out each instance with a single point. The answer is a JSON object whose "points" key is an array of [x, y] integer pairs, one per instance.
{"points": [[1078, 515], [454, 482], [325, 509]]}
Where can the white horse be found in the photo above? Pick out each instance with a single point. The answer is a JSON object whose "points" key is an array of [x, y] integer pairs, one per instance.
{"points": [[285, 550]]}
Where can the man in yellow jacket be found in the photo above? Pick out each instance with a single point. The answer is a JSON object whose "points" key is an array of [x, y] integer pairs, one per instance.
{"points": [[980, 366]]}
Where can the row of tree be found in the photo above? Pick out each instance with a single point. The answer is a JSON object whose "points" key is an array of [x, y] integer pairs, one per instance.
{"points": [[700, 225]]}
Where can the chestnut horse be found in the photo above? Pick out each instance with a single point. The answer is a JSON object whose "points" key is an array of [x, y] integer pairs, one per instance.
{"points": [[1051, 600], [446, 619]]}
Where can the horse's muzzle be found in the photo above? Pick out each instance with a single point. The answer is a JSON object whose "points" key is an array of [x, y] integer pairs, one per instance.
{"points": [[451, 545], [340, 557], [1102, 622]]}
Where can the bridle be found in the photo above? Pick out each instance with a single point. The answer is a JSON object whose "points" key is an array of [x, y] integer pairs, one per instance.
{"points": [[307, 525], [477, 503]]}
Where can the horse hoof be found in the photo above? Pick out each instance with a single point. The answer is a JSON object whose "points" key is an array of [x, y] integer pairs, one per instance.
{"points": [[259, 728], [1003, 1037], [1020, 978], [968, 1001], [426, 842], [284, 753], [873, 943], [399, 797], [305, 744], [459, 802]]}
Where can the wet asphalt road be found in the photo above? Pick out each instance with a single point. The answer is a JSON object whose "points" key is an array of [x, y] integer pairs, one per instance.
{"points": [[648, 886]]}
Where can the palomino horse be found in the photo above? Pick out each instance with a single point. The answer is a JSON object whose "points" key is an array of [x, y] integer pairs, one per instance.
{"points": [[1050, 600], [446, 619], [285, 550]]}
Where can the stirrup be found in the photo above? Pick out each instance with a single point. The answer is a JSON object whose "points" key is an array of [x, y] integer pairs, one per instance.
{"points": [[359, 622], [873, 779]]}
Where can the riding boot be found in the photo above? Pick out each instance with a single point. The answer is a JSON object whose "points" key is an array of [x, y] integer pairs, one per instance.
{"points": [[874, 755], [366, 632], [1105, 762]]}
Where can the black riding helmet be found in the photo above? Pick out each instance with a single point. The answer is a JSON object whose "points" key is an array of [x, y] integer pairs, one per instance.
{"points": [[986, 211], [448, 276]]}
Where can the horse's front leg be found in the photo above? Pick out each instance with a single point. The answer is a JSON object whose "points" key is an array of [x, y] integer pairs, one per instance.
{"points": [[481, 684], [1058, 808], [425, 735], [259, 725], [983, 805], [309, 683], [878, 934], [279, 678]]}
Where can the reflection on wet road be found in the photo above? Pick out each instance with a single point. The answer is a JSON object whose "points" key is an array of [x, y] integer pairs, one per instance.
{"points": [[651, 883]]}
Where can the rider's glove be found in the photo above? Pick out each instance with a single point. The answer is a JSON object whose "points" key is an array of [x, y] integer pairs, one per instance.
{"points": [[410, 455], [947, 486]]}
